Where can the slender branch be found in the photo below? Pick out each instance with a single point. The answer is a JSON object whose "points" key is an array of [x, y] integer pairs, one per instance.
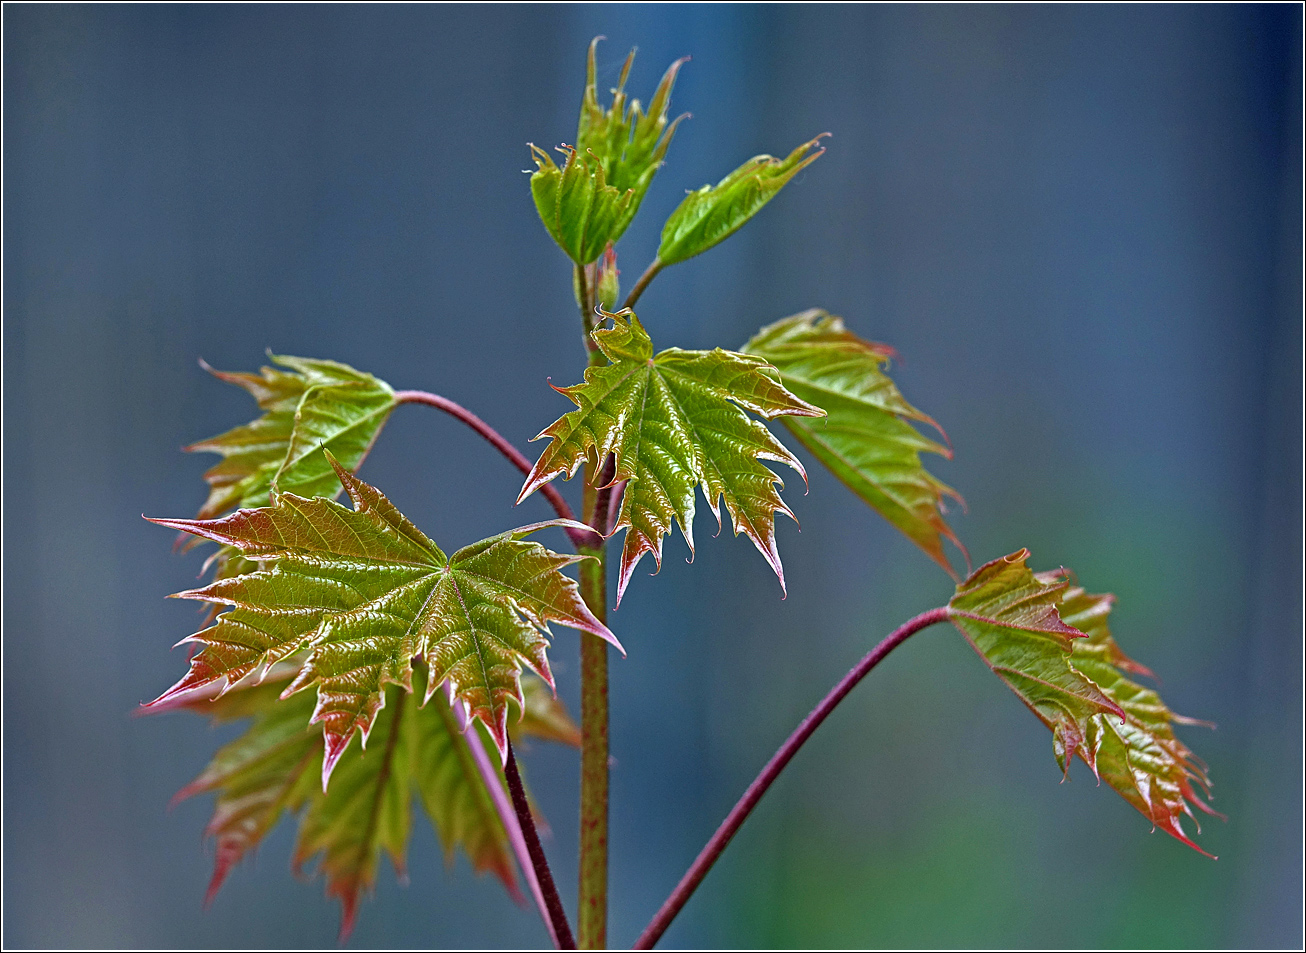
{"points": [[560, 928], [511, 825], [579, 538], [739, 813], [650, 273], [592, 910]]}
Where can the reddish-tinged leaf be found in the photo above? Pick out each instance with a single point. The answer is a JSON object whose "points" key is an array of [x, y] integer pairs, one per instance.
{"points": [[362, 592], [674, 421], [1142, 759], [1050, 643], [273, 768], [866, 438], [1010, 617]]}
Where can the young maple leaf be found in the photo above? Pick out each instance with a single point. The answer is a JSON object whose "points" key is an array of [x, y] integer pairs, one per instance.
{"points": [[316, 405], [1141, 758], [675, 421], [866, 438], [1071, 678], [273, 769], [363, 592]]}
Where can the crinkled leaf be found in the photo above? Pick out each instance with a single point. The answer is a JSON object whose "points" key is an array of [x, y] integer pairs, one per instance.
{"points": [[579, 208], [866, 438], [675, 421], [273, 769], [363, 592], [1049, 642], [1010, 617], [316, 405], [715, 212], [1142, 759], [626, 142]]}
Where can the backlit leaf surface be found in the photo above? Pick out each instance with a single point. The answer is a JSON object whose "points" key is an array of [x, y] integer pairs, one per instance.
{"points": [[866, 438], [675, 421], [273, 769], [362, 592], [313, 406]]}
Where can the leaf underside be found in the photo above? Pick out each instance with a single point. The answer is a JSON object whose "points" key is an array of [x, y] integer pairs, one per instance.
{"points": [[866, 438], [363, 592], [675, 421], [273, 768], [1049, 642]]}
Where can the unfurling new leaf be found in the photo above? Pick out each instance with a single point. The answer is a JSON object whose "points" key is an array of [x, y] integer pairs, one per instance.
{"points": [[866, 438], [362, 592], [273, 769], [579, 208], [675, 421], [626, 142], [715, 212], [1049, 642], [316, 405]]}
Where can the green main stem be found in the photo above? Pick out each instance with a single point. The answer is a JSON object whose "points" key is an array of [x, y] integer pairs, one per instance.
{"points": [[592, 917]]}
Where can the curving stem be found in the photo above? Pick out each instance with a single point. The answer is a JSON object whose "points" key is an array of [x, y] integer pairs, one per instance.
{"points": [[579, 538], [739, 813]]}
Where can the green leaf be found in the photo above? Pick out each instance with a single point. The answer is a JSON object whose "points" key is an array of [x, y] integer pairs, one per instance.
{"points": [[1142, 759], [626, 142], [866, 438], [675, 421], [316, 405], [273, 768], [579, 208], [1009, 616], [714, 213], [1049, 642], [363, 592]]}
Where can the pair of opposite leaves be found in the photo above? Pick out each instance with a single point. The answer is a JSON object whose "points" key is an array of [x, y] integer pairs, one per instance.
{"points": [[588, 203], [345, 599]]}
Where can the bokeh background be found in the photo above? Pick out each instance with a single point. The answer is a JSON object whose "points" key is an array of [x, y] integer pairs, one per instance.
{"points": [[1081, 228]]}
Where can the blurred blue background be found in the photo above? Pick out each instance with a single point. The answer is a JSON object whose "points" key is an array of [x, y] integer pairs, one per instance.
{"points": [[1080, 226]]}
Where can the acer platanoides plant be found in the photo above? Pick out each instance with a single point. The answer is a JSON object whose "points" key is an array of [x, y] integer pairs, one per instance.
{"points": [[330, 622]]}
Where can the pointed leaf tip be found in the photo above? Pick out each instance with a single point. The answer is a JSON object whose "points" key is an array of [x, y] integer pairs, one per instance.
{"points": [[868, 438], [1049, 641], [675, 421]]}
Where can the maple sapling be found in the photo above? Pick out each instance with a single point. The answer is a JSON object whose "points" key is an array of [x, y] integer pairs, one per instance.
{"points": [[352, 619]]}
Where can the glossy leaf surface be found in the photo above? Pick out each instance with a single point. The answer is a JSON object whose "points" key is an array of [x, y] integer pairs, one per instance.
{"points": [[675, 421], [273, 770], [313, 406], [1049, 642], [363, 592], [1142, 759], [579, 208], [713, 213], [866, 438]]}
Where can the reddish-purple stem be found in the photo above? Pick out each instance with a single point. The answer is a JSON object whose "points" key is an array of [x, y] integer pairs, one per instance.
{"points": [[579, 538], [735, 819], [508, 816], [561, 929]]}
